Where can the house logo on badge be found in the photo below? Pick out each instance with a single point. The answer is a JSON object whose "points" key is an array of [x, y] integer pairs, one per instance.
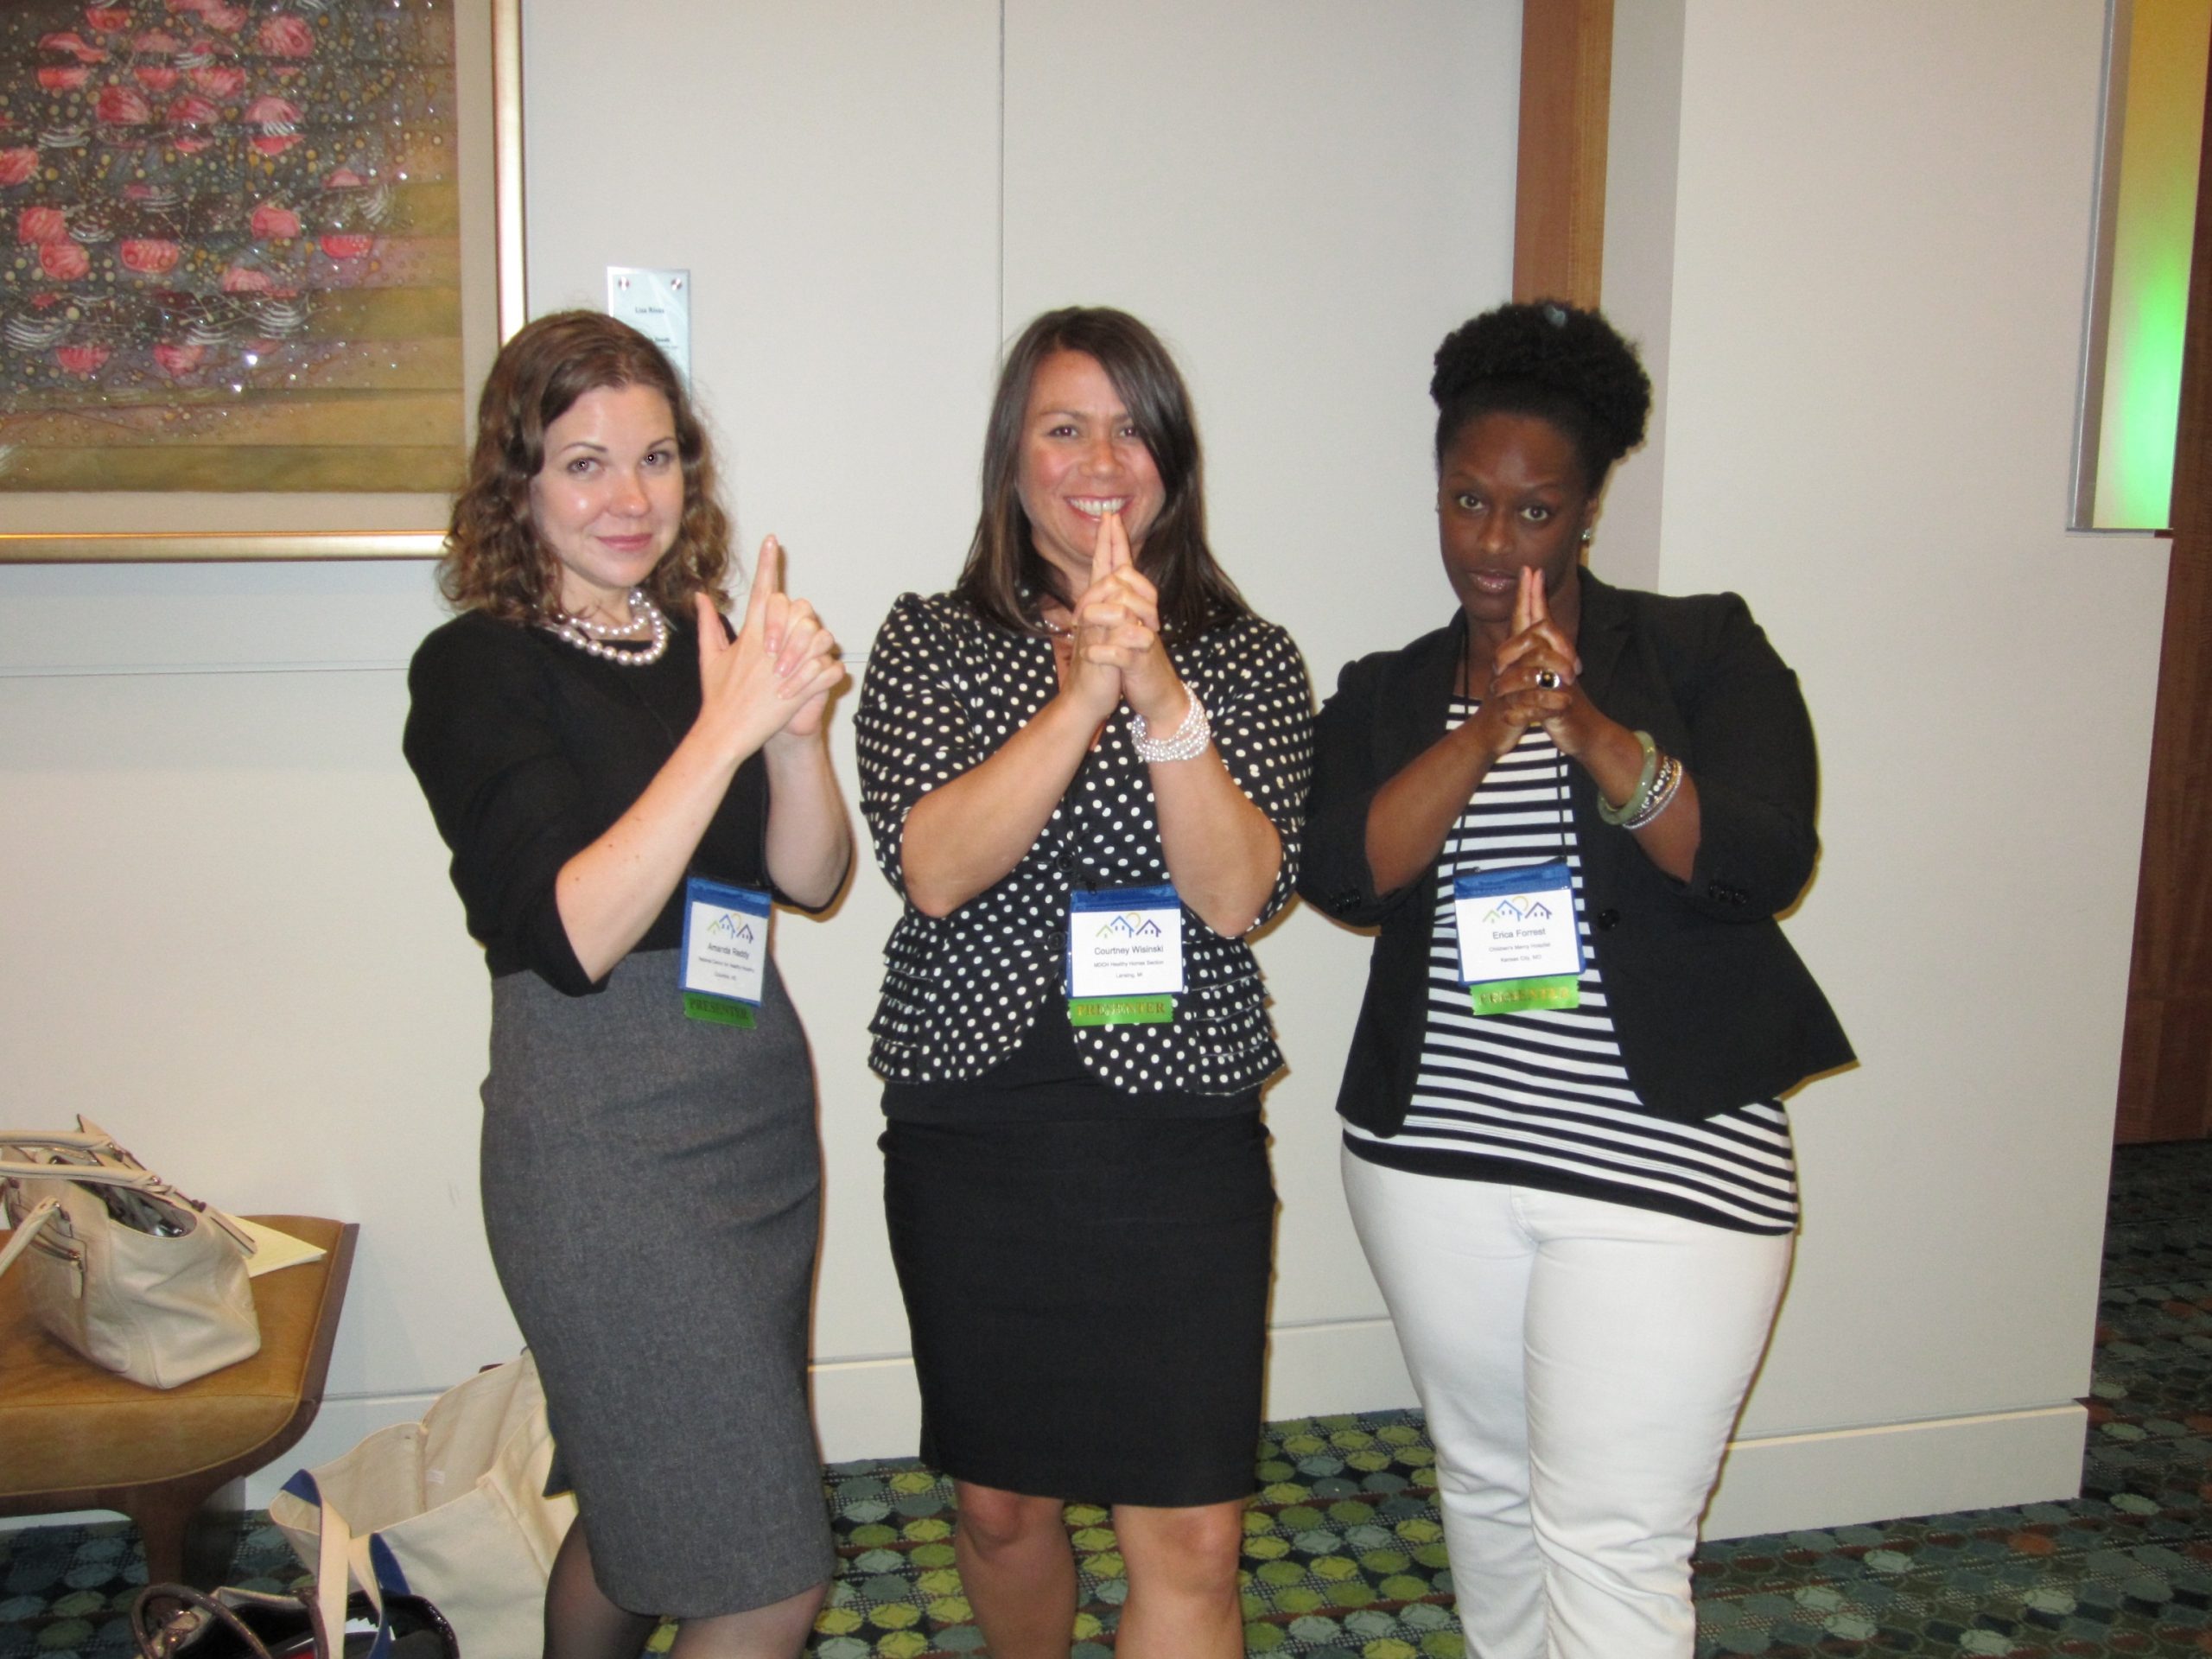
{"points": [[1507, 910], [727, 926], [1121, 927]]}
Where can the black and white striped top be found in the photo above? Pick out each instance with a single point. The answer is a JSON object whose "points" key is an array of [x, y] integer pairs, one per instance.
{"points": [[1541, 1099]]}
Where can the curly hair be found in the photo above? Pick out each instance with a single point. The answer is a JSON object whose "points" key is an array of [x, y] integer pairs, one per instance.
{"points": [[494, 559], [1005, 576], [1552, 360]]}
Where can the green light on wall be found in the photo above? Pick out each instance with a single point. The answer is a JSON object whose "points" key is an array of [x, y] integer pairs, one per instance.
{"points": [[2154, 129]]}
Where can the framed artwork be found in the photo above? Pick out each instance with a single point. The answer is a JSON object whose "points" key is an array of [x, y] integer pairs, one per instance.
{"points": [[256, 256]]}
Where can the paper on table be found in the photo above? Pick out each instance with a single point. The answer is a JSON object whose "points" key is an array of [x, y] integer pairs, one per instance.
{"points": [[274, 1250]]}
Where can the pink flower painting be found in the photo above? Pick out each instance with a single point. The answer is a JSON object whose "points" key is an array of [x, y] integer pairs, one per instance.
{"points": [[121, 106], [64, 262], [218, 79], [259, 195], [286, 36], [274, 223], [149, 256]]}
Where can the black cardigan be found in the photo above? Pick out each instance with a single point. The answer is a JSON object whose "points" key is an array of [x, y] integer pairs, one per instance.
{"points": [[1712, 1007], [529, 749]]}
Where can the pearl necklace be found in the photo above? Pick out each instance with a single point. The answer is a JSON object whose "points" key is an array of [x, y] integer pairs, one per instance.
{"points": [[587, 635]]}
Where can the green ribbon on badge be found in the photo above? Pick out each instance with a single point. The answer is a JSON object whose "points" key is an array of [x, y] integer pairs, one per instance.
{"points": [[1520, 995], [1121, 1010], [719, 1010]]}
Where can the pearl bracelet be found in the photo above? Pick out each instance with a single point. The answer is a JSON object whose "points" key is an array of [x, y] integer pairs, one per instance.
{"points": [[1188, 742]]}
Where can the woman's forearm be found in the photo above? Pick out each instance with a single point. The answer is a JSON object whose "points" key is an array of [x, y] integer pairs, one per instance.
{"points": [[609, 894], [965, 835], [1411, 814], [1222, 852], [1614, 760], [809, 842]]}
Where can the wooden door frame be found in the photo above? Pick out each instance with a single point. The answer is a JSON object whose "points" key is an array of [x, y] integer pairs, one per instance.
{"points": [[2165, 1061], [1558, 202]]}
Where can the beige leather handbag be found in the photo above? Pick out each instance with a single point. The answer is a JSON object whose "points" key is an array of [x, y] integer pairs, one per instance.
{"points": [[119, 1265]]}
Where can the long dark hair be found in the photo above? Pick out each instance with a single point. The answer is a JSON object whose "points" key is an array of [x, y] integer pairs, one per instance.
{"points": [[1005, 576], [494, 559]]}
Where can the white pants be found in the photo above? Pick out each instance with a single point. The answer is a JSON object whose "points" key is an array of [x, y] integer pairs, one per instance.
{"points": [[1581, 1364]]}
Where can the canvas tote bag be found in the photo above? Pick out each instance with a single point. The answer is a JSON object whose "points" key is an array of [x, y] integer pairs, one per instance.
{"points": [[458, 1499]]}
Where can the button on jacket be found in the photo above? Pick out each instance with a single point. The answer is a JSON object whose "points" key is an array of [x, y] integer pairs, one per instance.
{"points": [[1712, 1007], [944, 690]]}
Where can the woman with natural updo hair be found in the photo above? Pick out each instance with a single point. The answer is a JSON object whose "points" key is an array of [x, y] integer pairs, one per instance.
{"points": [[627, 782], [1575, 811], [1085, 770]]}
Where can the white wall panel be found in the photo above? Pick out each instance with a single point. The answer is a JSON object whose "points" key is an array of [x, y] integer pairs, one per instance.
{"points": [[1302, 201], [829, 175], [228, 931], [1869, 281]]}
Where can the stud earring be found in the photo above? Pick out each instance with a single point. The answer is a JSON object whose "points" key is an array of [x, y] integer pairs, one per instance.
{"points": [[1586, 535]]}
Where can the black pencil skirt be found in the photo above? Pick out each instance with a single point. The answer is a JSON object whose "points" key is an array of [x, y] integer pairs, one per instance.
{"points": [[1089, 1301]]}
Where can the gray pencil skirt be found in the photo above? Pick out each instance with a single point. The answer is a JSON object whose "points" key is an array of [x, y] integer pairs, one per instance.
{"points": [[653, 1193]]}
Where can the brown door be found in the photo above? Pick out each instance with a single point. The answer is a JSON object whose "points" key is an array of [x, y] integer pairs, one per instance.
{"points": [[2166, 1067]]}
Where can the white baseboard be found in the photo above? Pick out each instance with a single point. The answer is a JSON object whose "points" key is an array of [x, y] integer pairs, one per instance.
{"points": [[1321, 1369], [866, 1409], [870, 1409], [1786, 1483]]}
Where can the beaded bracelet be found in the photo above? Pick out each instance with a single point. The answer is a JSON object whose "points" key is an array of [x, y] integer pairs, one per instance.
{"points": [[1640, 796], [1188, 742], [1662, 794]]}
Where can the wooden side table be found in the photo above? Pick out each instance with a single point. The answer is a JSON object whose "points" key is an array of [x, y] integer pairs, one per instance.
{"points": [[75, 1437]]}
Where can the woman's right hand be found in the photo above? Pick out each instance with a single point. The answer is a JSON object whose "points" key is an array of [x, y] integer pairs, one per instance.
{"points": [[775, 677], [754, 690], [1515, 699], [1108, 631]]}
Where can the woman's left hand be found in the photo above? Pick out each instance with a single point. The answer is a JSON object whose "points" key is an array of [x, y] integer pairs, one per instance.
{"points": [[1602, 746], [1117, 625], [1539, 658], [808, 666]]}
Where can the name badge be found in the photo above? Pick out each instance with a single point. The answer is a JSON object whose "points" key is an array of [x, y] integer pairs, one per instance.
{"points": [[1125, 956], [724, 963], [1519, 947]]}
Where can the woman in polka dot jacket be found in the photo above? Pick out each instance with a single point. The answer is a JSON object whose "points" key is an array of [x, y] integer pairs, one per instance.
{"points": [[1081, 1214]]}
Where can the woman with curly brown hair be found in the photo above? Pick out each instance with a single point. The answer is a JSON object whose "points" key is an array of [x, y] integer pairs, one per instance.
{"points": [[627, 781]]}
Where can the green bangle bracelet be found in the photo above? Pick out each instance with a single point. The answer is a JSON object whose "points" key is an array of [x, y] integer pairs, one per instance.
{"points": [[1641, 795]]}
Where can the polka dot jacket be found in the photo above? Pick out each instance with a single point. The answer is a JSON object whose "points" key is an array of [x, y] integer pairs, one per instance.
{"points": [[944, 689]]}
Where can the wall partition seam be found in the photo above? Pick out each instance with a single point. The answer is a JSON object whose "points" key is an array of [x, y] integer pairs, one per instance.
{"points": [[1001, 307]]}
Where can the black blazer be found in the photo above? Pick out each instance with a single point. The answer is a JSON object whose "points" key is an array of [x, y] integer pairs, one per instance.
{"points": [[1712, 1007]]}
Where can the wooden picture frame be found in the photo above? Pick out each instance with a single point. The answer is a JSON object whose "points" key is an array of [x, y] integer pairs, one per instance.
{"points": [[134, 76]]}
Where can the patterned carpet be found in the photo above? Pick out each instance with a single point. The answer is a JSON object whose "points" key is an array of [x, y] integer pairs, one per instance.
{"points": [[1345, 1560]]}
